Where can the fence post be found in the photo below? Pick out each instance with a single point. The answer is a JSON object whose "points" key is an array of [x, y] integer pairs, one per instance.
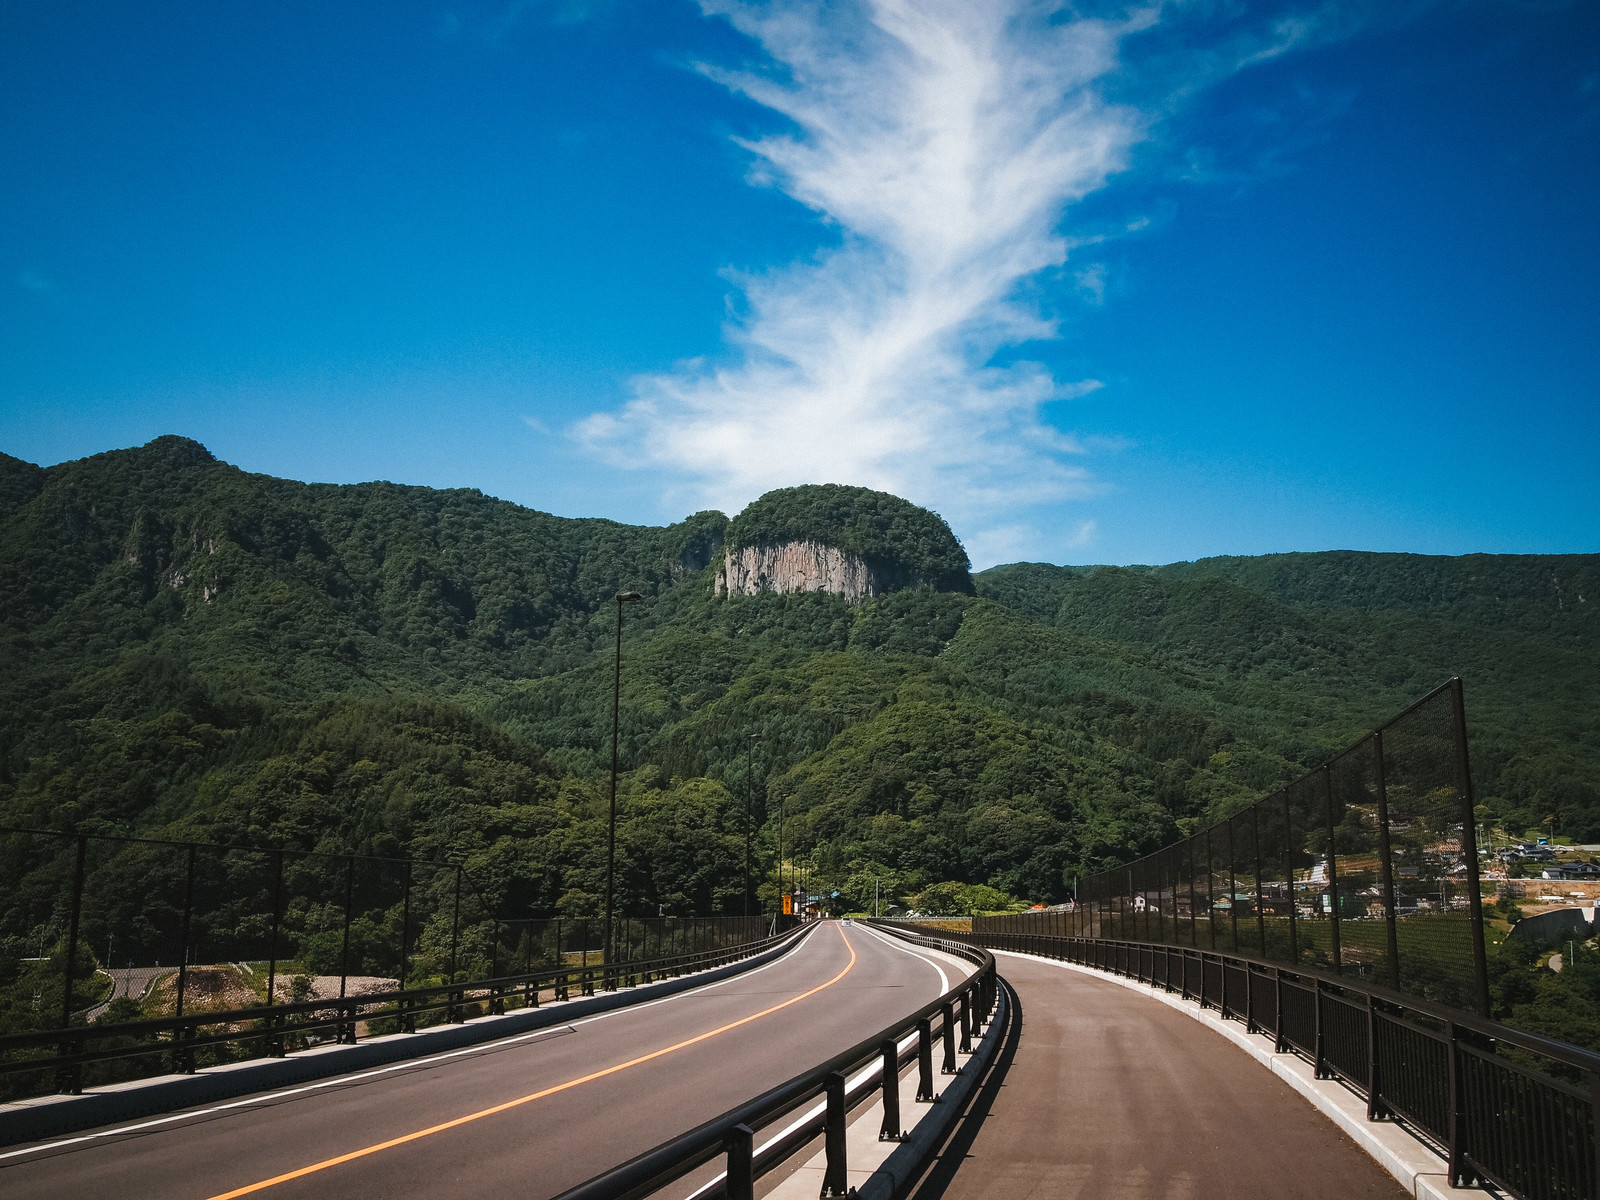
{"points": [[1249, 998], [188, 911], [1261, 912], [1233, 887], [346, 1027], [407, 1021], [925, 1093], [1453, 1142], [183, 1057], [497, 991], [454, 1013], [1375, 1109], [275, 1043], [949, 1036], [1318, 1068], [1135, 920], [1279, 1042], [1211, 891], [1333, 879], [1194, 901], [69, 1079], [741, 1163], [891, 1130], [1386, 863], [1288, 869], [530, 986], [966, 1021], [1163, 873], [1469, 851], [72, 930], [835, 1177]]}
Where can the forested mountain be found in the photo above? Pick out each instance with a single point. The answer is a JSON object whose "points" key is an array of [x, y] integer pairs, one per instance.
{"points": [[190, 650]]}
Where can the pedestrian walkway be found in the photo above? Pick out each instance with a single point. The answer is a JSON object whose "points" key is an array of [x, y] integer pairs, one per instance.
{"points": [[1101, 1093]]}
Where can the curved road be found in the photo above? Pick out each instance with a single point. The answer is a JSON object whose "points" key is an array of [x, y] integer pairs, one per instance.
{"points": [[534, 1114], [1100, 1093]]}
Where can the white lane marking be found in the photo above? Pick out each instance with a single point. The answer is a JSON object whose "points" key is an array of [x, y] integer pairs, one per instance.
{"points": [[896, 943], [872, 1072], [406, 1065]]}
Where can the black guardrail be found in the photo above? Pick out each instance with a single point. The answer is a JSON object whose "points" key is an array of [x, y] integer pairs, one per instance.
{"points": [[961, 1010], [1510, 1109], [172, 1043]]}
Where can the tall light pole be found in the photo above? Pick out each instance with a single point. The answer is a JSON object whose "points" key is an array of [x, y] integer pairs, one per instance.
{"points": [[611, 828], [749, 806]]}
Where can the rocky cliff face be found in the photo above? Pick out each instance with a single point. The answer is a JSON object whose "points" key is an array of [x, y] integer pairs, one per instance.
{"points": [[802, 566]]}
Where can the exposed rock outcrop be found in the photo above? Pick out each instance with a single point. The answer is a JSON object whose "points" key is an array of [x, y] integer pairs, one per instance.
{"points": [[848, 541], [799, 567]]}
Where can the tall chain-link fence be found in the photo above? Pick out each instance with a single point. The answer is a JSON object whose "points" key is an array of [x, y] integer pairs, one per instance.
{"points": [[1365, 867]]}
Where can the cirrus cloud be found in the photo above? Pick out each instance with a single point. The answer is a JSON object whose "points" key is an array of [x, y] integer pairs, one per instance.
{"points": [[940, 142]]}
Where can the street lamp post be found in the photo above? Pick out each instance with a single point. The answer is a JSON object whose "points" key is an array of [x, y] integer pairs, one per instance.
{"points": [[749, 806], [611, 828]]}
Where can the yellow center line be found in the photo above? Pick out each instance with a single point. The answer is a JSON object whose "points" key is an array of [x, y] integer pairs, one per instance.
{"points": [[301, 1172]]}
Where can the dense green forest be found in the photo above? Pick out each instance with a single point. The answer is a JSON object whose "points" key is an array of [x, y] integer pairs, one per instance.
{"points": [[193, 652]]}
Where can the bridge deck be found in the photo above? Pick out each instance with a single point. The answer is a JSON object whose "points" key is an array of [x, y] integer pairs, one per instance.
{"points": [[1104, 1094]]}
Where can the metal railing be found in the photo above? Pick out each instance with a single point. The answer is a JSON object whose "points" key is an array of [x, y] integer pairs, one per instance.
{"points": [[959, 1012], [1503, 1107], [249, 933]]}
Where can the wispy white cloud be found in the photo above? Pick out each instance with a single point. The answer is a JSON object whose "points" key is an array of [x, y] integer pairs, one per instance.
{"points": [[941, 141]]}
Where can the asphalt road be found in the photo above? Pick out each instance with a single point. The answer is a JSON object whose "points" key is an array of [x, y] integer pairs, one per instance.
{"points": [[1099, 1093], [529, 1116], [127, 981]]}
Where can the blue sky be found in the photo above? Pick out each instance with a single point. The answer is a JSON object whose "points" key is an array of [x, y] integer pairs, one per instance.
{"points": [[1099, 283]]}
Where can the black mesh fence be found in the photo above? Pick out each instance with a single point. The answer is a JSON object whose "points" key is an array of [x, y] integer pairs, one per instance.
{"points": [[1366, 867], [104, 929]]}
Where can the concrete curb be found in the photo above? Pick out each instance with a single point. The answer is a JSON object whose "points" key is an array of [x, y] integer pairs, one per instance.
{"points": [[51, 1116], [1422, 1172]]}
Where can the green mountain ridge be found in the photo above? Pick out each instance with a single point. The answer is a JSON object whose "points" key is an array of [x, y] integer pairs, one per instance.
{"points": [[193, 651]]}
